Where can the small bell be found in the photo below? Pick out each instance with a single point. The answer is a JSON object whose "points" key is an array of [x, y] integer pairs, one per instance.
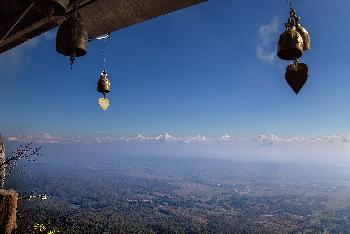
{"points": [[296, 76], [103, 84], [290, 45], [295, 40], [72, 38], [301, 30], [57, 7], [306, 37]]}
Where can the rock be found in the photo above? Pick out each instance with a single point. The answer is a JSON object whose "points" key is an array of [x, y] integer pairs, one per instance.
{"points": [[8, 207]]}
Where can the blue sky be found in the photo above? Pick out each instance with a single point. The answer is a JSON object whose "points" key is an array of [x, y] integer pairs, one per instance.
{"points": [[196, 71]]}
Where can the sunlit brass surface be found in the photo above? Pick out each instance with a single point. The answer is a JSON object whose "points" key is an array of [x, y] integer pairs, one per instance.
{"points": [[103, 84], [296, 76], [104, 103], [58, 7], [72, 38], [290, 45], [306, 37]]}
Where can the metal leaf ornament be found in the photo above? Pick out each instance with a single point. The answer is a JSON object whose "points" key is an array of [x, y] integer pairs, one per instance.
{"points": [[104, 103], [296, 76]]}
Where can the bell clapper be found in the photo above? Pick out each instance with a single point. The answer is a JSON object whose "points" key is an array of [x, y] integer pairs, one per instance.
{"points": [[71, 59]]}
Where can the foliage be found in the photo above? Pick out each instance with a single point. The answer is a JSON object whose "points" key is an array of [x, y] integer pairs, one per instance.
{"points": [[22, 153], [40, 228]]}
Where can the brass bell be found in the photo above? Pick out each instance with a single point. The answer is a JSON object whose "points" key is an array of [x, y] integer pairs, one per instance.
{"points": [[72, 37], [58, 7], [290, 45], [306, 37], [296, 76], [103, 84], [301, 30]]}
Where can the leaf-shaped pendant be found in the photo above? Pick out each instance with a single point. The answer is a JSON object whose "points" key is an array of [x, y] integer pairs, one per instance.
{"points": [[104, 103]]}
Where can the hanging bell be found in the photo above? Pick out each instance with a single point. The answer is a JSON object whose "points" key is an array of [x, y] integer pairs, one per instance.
{"points": [[300, 29], [103, 84], [296, 76], [306, 37], [290, 45], [72, 37], [55, 7]]}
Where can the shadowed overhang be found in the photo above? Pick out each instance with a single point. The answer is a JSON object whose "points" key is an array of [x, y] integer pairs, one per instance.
{"points": [[99, 16]]}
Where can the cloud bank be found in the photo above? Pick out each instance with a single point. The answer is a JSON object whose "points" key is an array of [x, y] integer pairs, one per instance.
{"points": [[327, 150], [169, 138]]}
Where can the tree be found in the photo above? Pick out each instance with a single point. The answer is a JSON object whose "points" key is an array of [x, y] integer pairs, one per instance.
{"points": [[10, 164]]}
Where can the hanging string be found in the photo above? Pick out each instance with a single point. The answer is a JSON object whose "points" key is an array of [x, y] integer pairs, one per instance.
{"points": [[104, 38], [103, 54]]}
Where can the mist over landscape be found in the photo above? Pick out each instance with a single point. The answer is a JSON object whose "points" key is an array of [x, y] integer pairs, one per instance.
{"points": [[171, 187]]}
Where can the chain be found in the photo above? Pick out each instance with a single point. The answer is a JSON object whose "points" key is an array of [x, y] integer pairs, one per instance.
{"points": [[296, 62], [293, 19]]}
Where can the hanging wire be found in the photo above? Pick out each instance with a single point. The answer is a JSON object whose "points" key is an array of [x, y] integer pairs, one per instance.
{"points": [[104, 38], [103, 54]]}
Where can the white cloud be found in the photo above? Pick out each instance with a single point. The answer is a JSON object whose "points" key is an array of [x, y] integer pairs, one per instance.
{"points": [[198, 138], [267, 139], [225, 138], [47, 138], [44, 138], [166, 137], [138, 138], [274, 139], [336, 138], [268, 35]]}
